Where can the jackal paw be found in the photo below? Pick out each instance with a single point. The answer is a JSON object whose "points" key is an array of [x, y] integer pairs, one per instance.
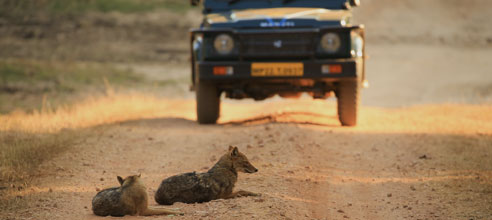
{"points": [[177, 211]]}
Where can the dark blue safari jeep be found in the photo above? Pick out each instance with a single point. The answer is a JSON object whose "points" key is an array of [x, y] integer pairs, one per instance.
{"points": [[261, 48]]}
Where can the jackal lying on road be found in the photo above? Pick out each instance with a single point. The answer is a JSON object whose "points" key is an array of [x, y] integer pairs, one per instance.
{"points": [[128, 199], [216, 183]]}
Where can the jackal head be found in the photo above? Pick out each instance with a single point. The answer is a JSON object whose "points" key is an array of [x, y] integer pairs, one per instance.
{"points": [[128, 180], [240, 162]]}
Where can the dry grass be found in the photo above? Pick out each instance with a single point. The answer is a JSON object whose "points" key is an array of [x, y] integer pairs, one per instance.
{"points": [[88, 113], [28, 139], [54, 118], [20, 152], [27, 84]]}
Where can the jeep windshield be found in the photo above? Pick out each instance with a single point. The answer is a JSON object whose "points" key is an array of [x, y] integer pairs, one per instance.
{"points": [[217, 6]]}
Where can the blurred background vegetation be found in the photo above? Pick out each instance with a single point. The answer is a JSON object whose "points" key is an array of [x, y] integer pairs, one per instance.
{"points": [[64, 7], [61, 49], [55, 54]]}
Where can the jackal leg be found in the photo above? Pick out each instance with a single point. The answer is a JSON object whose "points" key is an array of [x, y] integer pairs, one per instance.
{"points": [[241, 193]]}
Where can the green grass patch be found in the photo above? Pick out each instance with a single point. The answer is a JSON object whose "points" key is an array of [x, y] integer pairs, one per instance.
{"points": [[17, 7]]}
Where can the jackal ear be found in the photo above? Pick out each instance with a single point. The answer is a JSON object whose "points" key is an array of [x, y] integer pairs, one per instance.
{"points": [[139, 175], [120, 180], [234, 151], [231, 148]]}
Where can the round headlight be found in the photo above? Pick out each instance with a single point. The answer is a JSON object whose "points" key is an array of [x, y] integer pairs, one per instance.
{"points": [[224, 44], [330, 42]]}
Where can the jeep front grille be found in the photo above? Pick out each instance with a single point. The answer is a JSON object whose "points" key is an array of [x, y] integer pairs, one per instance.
{"points": [[281, 45]]}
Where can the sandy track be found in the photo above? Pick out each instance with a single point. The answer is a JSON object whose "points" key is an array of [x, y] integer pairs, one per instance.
{"points": [[414, 163]]}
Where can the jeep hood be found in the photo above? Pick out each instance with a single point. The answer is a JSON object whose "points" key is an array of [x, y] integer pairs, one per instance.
{"points": [[278, 17], [219, 6]]}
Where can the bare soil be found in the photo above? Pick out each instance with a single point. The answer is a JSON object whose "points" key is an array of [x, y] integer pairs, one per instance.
{"points": [[422, 149]]}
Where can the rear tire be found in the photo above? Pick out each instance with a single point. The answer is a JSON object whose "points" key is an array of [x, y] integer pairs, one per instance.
{"points": [[348, 102], [207, 103]]}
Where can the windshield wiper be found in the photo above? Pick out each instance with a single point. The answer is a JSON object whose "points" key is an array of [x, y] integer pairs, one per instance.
{"points": [[286, 1]]}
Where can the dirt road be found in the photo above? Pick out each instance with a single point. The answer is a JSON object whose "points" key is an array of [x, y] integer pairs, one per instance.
{"points": [[411, 163], [427, 157]]}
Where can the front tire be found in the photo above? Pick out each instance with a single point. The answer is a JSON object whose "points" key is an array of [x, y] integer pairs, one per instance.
{"points": [[348, 102], [207, 103]]}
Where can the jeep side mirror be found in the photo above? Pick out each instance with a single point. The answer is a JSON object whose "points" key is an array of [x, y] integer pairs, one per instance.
{"points": [[194, 2], [354, 3]]}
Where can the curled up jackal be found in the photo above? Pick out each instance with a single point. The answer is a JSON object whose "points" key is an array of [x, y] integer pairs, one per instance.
{"points": [[128, 199], [216, 183]]}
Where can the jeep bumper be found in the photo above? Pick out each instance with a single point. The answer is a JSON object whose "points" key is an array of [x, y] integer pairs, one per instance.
{"points": [[347, 69]]}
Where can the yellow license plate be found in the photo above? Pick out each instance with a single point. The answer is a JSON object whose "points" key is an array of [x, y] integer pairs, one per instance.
{"points": [[277, 69]]}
